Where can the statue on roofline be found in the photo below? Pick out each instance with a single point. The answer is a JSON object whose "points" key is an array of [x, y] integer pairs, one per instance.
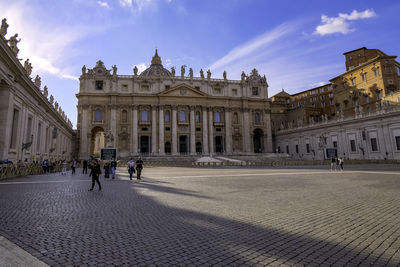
{"points": [[38, 81], [208, 74], [243, 76], [4, 26], [202, 73], [135, 71], [191, 73], [13, 41], [224, 74], [28, 67], [84, 70], [173, 71], [114, 68], [51, 99], [45, 91], [183, 70]]}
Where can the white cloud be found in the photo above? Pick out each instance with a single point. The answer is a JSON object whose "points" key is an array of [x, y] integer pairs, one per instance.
{"points": [[256, 44], [141, 67], [125, 3], [135, 4], [103, 4], [46, 45], [340, 24]]}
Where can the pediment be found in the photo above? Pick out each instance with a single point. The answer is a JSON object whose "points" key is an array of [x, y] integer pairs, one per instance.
{"points": [[183, 90]]}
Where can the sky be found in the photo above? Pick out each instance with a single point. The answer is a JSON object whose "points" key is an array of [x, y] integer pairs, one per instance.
{"points": [[297, 44]]}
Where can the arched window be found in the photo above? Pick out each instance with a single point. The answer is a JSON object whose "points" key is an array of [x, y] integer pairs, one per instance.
{"points": [[98, 116], [124, 116], [167, 116], [197, 117], [145, 115], [235, 118], [217, 116], [182, 115], [257, 117]]}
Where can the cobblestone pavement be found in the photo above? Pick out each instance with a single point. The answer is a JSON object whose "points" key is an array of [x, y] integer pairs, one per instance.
{"points": [[207, 217]]}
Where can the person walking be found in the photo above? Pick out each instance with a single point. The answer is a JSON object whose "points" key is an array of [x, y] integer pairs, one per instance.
{"points": [[96, 171], [131, 168], [106, 170], [113, 165], [341, 160], [333, 163], [139, 167], [73, 166], [84, 166], [64, 168]]}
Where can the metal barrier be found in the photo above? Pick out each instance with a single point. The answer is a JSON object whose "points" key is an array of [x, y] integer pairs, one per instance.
{"points": [[20, 169]]}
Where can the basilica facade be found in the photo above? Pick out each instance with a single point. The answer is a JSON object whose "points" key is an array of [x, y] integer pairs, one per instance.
{"points": [[157, 112]]}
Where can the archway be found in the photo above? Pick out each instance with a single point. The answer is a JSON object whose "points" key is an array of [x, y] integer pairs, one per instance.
{"points": [[97, 141], [258, 140]]}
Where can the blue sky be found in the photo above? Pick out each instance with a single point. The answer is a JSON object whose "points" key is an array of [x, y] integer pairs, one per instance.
{"points": [[297, 44]]}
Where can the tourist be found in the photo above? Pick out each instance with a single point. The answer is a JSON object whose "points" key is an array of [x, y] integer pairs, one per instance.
{"points": [[139, 167], [341, 160], [64, 168], [96, 171], [131, 168], [84, 166], [113, 165], [333, 163], [73, 166], [106, 170]]}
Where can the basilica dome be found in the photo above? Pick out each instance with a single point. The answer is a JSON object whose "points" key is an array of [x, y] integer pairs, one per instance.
{"points": [[156, 69]]}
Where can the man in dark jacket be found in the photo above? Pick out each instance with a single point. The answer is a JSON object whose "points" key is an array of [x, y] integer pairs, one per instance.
{"points": [[139, 167], [96, 171], [84, 165], [113, 166]]}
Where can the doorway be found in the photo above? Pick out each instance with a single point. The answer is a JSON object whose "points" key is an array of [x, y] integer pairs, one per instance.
{"points": [[183, 144], [144, 144], [258, 140], [219, 144]]}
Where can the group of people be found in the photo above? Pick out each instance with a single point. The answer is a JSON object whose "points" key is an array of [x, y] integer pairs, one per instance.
{"points": [[337, 163], [110, 168]]}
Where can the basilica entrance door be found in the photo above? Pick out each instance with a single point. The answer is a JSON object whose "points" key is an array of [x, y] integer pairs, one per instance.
{"points": [[183, 144], [167, 147], [97, 141], [258, 140], [219, 144], [144, 144]]}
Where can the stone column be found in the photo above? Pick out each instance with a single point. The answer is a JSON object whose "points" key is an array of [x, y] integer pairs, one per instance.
{"points": [[246, 130], [6, 119], [161, 131], [210, 130], [228, 134], [174, 132], [134, 148], [205, 131], [113, 124], [192, 133], [154, 148], [268, 133]]}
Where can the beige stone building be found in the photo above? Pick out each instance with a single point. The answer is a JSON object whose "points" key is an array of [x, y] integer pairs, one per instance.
{"points": [[32, 125], [158, 112], [357, 113]]}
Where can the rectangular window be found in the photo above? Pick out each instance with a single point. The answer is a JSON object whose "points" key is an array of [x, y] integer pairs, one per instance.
{"points": [[125, 87], [376, 72], [197, 88], [14, 130], [367, 99], [397, 142], [334, 143], [255, 90], [364, 77], [344, 85], [99, 85], [297, 149], [353, 145], [28, 130], [167, 129], [398, 70], [217, 90], [167, 87], [353, 81], [308, 148], [46, 144], [287, 149], [234, 91], [374, 144]]}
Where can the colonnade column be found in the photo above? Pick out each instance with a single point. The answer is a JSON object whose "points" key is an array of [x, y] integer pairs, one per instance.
{"points": [[153, 129], [228, 135], [192, 133], [268, 134], [174, 132], [205, 131], [84, 133], [246, 130], [210, 130], [161, 131], [134, 148], [6, 119], [113, 124]]}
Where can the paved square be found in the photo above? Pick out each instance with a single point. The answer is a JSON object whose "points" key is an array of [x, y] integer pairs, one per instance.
{"points": [[210, 217]]}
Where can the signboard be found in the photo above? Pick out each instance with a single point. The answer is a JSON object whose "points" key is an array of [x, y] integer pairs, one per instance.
{"points": [[330, 153], [108, 153]]}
